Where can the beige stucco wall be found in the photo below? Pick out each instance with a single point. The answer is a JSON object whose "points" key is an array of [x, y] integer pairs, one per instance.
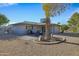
{"points": [[20, 26], [55, 29], [27, 27]]}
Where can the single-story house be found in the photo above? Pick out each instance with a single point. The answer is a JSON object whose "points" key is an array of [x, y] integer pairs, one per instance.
{"points": [[33, 27]]}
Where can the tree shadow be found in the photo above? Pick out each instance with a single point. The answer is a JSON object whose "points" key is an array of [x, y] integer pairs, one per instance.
{"points": [[8, 37], [68, 34], [72, 43], [26, 43]]}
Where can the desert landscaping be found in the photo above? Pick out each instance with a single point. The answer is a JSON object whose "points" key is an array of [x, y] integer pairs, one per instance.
{"points": [[22, 46]]}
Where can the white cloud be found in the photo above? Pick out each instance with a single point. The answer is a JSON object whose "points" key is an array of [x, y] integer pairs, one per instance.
{"points": [[7, 4]]}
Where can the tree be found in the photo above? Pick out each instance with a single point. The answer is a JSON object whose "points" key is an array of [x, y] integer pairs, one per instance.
{"points": [[74, 22], [3, 19], [64, 27], [52, 9]]}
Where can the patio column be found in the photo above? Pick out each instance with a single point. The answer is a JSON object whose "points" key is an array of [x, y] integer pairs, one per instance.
{"points": [[26, 26], [32, 26], [43, 29]]}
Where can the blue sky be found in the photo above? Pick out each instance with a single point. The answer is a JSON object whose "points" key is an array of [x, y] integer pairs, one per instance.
{"points": [[33, 12]]}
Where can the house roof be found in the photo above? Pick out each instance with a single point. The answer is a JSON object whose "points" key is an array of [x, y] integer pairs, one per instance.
{"points": [[30, 23]]}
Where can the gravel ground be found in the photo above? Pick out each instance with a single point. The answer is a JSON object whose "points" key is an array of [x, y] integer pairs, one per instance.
{"points": [[24, 47]]}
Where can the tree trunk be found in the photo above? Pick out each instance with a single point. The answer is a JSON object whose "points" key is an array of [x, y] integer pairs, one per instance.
{"points": [[47, 30]]}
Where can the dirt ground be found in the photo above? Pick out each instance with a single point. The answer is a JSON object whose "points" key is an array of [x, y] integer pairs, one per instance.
{"points": [[21, 47]]}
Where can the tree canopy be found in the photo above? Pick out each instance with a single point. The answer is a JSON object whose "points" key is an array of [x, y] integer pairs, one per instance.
{"points": [[53, 9], [3, 19], [74, 22], [64, 27]]}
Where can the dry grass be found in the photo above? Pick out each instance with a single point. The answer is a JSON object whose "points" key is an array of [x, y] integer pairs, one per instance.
{"points": [[28, 47]]}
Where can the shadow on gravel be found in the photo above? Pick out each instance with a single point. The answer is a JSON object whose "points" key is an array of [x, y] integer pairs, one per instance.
{"points": [[72, 43], [69, 34], [8, 37]]}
